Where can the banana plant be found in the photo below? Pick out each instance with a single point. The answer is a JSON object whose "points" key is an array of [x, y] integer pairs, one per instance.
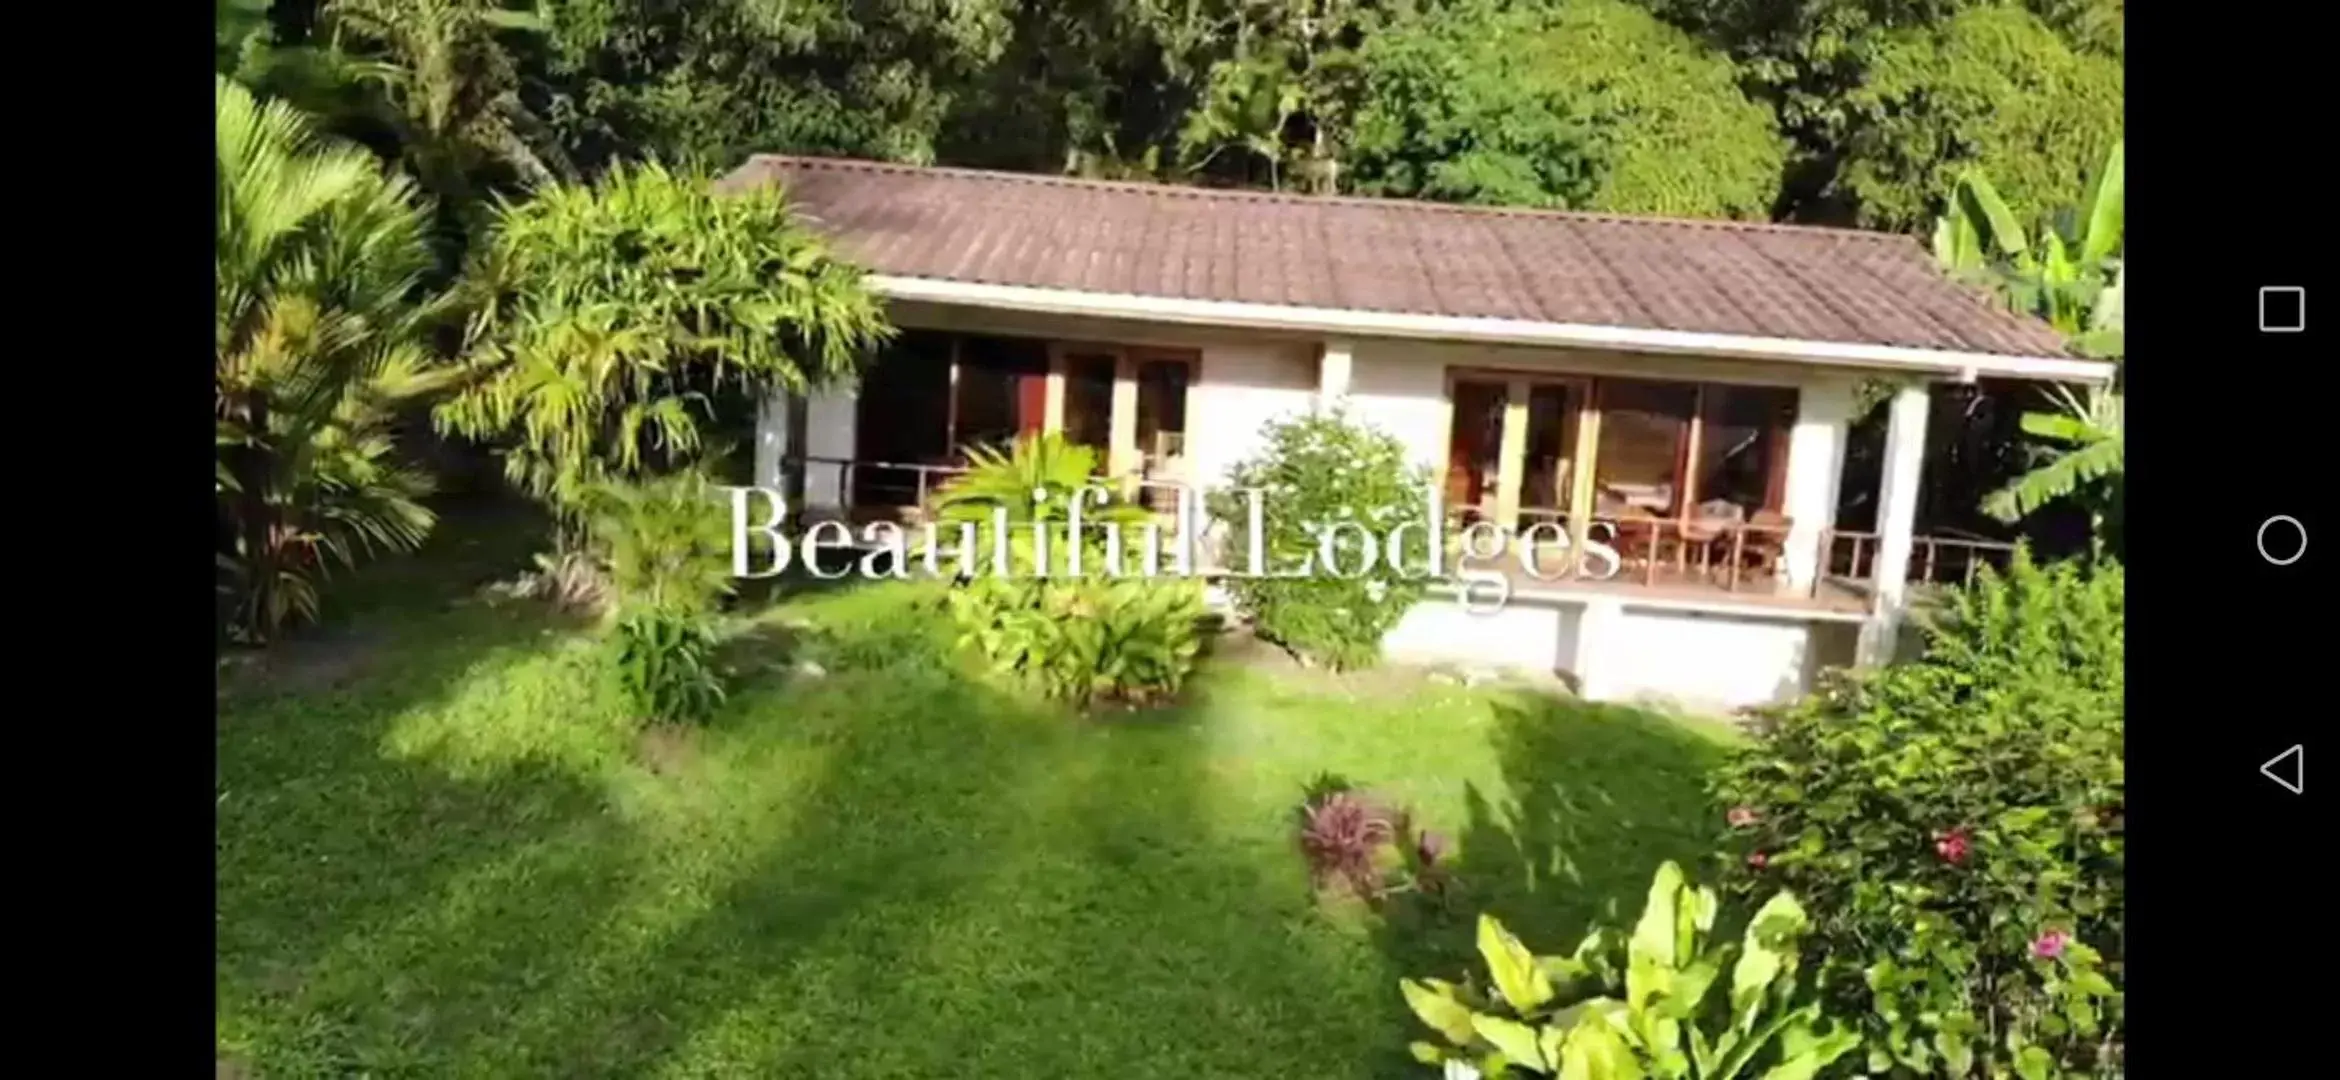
{"points": [[2063, 279], [2078, 284], [1654, 1017]]}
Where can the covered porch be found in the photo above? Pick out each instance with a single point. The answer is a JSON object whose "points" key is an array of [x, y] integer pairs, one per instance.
{"points": [[1706, 488]]}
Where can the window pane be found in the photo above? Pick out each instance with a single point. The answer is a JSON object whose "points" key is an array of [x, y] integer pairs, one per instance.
{"points": [[1742, 447], [1161, 407], [1003, 389], [1551, 449], [1475, 447], [1088, 401], [902, 417], [1644, 431]]}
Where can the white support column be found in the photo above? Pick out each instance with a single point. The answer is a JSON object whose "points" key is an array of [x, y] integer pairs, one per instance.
{"points": [[1897, 498], [829, 418], [1333, 368], [772, 445], [1815, 469]]}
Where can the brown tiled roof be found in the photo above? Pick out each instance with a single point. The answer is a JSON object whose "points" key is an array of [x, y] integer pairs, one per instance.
{"points": [[1395, 256]]}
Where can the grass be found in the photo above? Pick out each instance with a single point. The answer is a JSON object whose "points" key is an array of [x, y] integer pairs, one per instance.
{"points": [[443, 851]]}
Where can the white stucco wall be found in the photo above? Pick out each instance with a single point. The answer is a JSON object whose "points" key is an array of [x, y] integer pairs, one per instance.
{"points": [[1239, 389], [1705, 661], [1525, 635], [1395, 387], [1695, 660]]}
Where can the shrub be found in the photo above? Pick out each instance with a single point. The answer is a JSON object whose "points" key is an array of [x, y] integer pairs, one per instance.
{"points": [[1129, 641], [1317, 471], [1079, 637], [1645, 1010], [665, 664], [1955, 823], [663, 543]]}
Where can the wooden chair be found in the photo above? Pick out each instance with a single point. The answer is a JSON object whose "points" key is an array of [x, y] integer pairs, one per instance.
{"points": [[1765, 546]]}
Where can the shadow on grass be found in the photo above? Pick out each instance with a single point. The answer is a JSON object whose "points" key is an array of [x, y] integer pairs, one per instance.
{"points": [[887, 870], [1600, 796]]}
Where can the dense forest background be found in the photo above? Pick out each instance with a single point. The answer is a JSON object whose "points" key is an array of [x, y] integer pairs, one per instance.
{"points": [[1852, 112], [1844, 112]]}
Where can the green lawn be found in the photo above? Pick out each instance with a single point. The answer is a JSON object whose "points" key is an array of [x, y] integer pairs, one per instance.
{"points": [[442, 851]]}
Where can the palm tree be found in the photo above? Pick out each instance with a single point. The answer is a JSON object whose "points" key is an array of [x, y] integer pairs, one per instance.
{"points": [[319, 341]]}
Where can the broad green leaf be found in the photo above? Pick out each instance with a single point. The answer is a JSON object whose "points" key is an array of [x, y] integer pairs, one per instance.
{"points": [[1517, 1042], [1597, 1051], [2107, 213], [1654, 935], [1518, 977], [1436, 1004], [2002, 230]]}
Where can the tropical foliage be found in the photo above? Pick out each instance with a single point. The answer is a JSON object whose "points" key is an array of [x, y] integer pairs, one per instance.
{"points": [[1991, 85], [663, 660], [608, 322], [1363, 846], [2073, 276], [320, 339], [1645, 1009], [1956, 826], [1071, 612], [663, 543], [1320, 573], [1594, 105]]}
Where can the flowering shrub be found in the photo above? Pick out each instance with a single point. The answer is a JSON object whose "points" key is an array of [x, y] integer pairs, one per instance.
{"points": [[1954, 825], [1322, 471]]}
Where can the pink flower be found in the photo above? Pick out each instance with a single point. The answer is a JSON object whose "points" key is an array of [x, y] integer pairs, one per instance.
{"points": [[1758, 860], [1952, 846], [1742, 816], [2050, 945]]}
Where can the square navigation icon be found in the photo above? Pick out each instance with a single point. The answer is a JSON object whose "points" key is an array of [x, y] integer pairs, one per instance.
{"points": [[2282, 309]]}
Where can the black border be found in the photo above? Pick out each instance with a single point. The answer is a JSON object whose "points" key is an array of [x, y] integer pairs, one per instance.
{"points": [[115, 585], [2227, 661]]}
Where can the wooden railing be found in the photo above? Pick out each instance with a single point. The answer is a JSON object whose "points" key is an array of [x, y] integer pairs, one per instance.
{"points": [[1654, 552], [1933, 560], [915, 486]]}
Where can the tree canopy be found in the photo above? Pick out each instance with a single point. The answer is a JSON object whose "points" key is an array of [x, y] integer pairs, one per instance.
{"points": [[1592, 104]]}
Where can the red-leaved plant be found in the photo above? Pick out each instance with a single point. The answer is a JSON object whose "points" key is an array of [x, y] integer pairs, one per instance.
{"points": [[1360, 845]]}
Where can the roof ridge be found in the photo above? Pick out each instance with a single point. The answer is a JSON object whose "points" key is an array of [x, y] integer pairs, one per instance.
{"points": [[1386, 203]]}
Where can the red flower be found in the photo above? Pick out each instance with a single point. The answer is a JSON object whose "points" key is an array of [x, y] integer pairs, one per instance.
{"points": [[1742, 816], [1758, 860], [2050, 945], [1952, 846]]}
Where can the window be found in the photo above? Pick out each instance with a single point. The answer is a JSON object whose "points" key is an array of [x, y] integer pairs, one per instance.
{"points": [[1742, 447], [1473, 457], [1644, 435], [903, 413], [1002, 390], [1673, 451], [1551, 454], [1088, 401], [1161, 407]]}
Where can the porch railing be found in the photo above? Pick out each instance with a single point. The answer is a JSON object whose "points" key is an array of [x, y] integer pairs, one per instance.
{"points": [[905, 492], [1851, 558], [1747, 558]]}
